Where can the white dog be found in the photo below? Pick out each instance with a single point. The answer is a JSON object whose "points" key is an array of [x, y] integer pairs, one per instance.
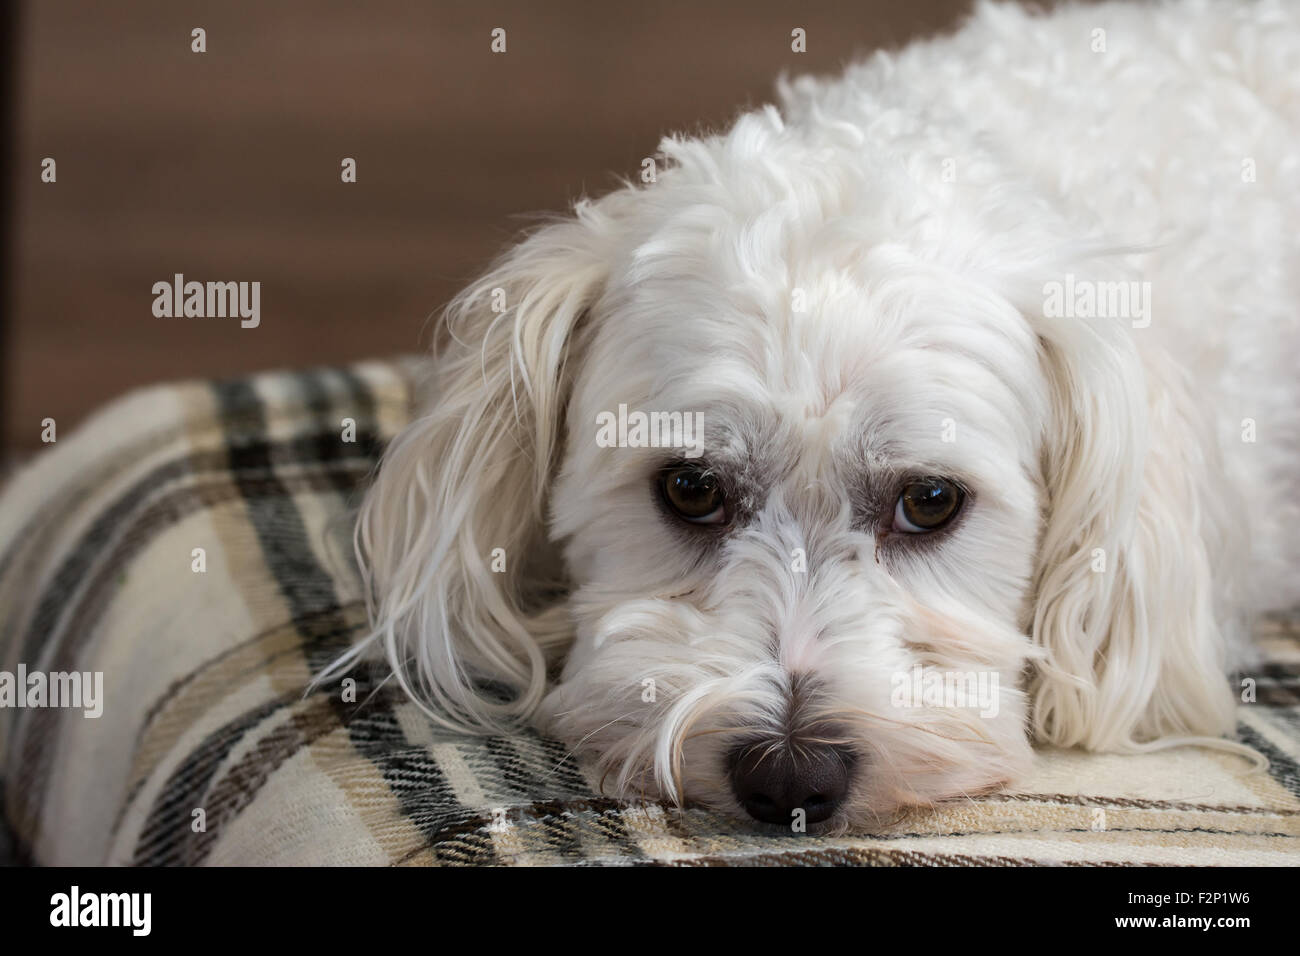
{"points": [[948, 407]]}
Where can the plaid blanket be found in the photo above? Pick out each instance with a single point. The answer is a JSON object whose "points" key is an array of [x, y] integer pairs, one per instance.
{"points": [[191, 543]]}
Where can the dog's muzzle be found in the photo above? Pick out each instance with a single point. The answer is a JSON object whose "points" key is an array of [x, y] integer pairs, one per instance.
{"points": [[773, 781]]}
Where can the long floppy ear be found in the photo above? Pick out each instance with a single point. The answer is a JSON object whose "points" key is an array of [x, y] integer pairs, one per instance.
{"points": [[1133, 552], [451, 529]]}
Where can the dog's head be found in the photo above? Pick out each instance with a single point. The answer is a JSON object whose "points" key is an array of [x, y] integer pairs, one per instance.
{"points": [[771, 486]]}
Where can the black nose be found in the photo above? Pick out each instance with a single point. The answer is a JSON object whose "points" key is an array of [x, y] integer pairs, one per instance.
{"points": [[772, 782]]}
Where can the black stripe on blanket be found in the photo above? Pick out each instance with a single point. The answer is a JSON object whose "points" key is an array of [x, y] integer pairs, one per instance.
{"points": [[414, 778], [60, 626], [1281, 767]]}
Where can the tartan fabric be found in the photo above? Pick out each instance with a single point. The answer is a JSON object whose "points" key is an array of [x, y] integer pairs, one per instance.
{"points": [[205, 715]]}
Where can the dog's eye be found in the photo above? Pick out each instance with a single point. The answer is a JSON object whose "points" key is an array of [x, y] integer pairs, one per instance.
{"points": [[927, 504], [694, 495]]}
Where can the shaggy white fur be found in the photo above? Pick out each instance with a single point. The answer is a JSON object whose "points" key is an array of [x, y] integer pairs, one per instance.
{"points": [[1046, 267]]}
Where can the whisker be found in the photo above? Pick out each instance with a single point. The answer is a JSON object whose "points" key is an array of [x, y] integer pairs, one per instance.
{"points": [[579, 744]]}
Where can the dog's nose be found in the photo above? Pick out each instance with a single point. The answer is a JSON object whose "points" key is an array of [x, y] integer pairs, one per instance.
{"points": [[771, 783]]}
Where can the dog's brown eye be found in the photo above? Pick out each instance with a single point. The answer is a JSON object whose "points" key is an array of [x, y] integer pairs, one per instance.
{"points": [[927, 505], [694, 495]]}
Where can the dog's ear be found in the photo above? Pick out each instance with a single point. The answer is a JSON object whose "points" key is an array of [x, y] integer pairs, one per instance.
{"points": [[450, 532], [1132, 550]]}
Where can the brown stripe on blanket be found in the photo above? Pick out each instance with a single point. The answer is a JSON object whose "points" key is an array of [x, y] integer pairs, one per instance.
{"points": [[223, 483], [316, 619], [255, 481], [1278, 624], [78, 595], [195, 400], [239, 786], [1277, 684], [32, 734], [170, 817], [202, 689], [286, 548], [244, 471], [422, 792], [211, 486]]}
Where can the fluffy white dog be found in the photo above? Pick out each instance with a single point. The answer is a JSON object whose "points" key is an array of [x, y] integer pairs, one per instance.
{"points": [[947, 407]]}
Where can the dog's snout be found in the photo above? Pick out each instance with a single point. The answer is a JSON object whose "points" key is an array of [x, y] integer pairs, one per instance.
{"points": [[773, 782]]}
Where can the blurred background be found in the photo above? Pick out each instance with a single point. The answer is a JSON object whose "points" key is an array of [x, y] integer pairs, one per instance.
{"points": [[225, 165]]}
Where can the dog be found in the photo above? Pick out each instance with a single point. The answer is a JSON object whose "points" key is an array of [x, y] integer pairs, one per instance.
{"points": [[947, 408]]}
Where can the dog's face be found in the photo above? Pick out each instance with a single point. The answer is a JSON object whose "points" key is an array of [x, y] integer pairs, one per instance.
{"points": [[864, 503], [870, 542]]}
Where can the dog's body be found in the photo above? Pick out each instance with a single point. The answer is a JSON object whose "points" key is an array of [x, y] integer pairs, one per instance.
{"points": [[893, 301]]}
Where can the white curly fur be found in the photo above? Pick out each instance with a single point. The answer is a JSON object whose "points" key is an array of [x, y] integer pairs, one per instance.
{"points": [[831, 284]]}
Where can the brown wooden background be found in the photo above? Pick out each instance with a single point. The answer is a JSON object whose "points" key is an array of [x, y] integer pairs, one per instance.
{"points": [[225, 165]]}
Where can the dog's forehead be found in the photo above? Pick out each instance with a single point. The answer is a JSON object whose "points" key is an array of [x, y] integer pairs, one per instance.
{"points": [[788, 435], [798, 415], [828, 357]]}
